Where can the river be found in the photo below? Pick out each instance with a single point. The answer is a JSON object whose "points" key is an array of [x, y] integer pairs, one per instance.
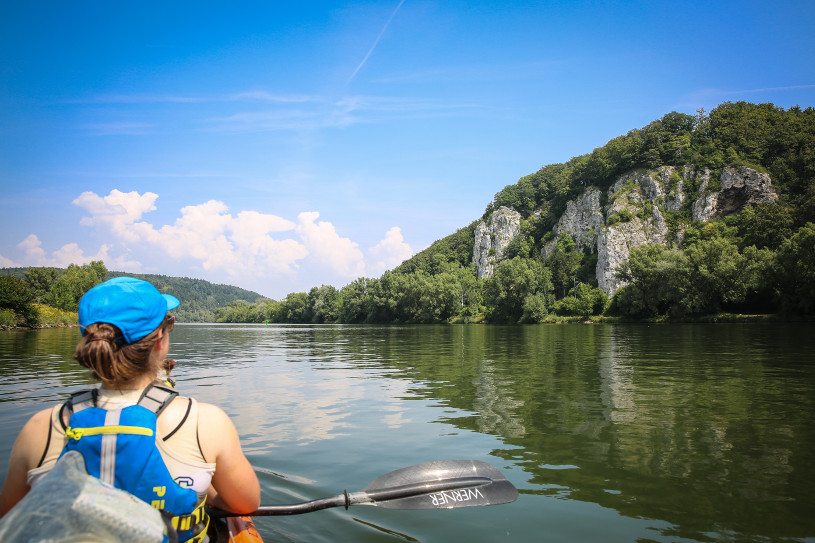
{"points": [[610, 432]]}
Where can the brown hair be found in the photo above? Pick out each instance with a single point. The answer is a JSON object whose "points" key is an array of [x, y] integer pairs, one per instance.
{"points": [[103, 351]]}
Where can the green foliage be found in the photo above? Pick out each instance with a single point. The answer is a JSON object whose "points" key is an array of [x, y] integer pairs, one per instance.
{"points": [[513, 281], [709, 276], [40, 281], [766, 225], [564, 263], [75, 281], [655, 275], [584, 301], [796, 271], [323, 304], [535, 308], [52, 316], [453, 251], [200, 300], [243, 311], [18, 302], [8, 318]]}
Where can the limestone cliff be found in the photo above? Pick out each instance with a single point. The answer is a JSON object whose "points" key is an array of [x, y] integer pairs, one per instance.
{"points": [[492, 239], [740, 187], [582, 220], [633, 215]]}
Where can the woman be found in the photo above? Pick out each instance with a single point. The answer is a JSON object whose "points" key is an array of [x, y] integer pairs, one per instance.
{"points": [[126, 337]]}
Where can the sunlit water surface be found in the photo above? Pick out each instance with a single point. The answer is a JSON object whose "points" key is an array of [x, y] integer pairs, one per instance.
{"points": [[610, 432]]}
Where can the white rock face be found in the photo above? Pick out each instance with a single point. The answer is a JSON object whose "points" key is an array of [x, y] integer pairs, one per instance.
{"points": [[582, 220], [634, 195], [632, 216], [740, 187], [615, 242], [491, 240]]}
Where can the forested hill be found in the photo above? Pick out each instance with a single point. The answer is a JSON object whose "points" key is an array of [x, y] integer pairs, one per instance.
{"points": [[199, 299], [62, 289], [762, 136]]}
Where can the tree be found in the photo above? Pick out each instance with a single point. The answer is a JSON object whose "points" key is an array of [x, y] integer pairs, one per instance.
{"points": [[796, 271], [764, 225], [323, 302], [716, 274], [564, 262], [75, 282], [507, 290], [535, 308], [355, 300], [655, 274], [17, 297], [40, 280], [584, 301]]}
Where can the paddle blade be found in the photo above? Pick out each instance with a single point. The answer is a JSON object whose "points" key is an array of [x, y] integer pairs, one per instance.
{"points": [[443, 484]]}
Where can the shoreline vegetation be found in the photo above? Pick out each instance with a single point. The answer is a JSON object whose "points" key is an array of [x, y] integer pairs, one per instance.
{"points": [[747, 262], [51, 317]]}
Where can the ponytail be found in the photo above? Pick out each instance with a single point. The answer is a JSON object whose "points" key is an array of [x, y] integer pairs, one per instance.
{"points": [[116, 364]]}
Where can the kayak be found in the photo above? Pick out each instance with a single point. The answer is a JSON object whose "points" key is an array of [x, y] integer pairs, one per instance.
{"points": [[234, 530]]}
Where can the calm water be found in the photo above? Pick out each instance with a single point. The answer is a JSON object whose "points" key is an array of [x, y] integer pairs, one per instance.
{"points": [[611, 433]]}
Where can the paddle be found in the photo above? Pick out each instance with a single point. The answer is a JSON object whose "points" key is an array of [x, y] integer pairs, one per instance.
{"points": [[443, 484]]}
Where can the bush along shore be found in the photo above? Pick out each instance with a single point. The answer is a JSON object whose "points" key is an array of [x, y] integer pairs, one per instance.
{"points": [[46, 317]]}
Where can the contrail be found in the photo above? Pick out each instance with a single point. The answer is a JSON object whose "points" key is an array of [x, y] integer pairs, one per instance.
{"points": [[384, 28]]}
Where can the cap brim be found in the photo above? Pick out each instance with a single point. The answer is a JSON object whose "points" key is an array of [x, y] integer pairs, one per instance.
{"points": [[172, 301]]}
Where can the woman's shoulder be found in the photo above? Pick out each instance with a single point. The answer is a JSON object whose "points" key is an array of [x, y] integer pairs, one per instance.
{"points": [[210, 414], [41, 418]]}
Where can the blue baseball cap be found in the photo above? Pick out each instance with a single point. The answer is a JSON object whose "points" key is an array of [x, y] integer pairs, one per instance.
{"points": [[132, 305]]}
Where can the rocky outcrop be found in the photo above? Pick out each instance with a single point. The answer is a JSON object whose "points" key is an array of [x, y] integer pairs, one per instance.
{"points": [[582, 220], [492, 239], [633, 215], [615, 242], [740, 187], [633, 219]]}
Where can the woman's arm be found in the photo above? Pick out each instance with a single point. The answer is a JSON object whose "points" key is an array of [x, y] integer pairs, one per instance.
{"points": [[236, 486], [27, 451]]}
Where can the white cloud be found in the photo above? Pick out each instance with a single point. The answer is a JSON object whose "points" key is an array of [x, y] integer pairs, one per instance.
{"points": [[32, 248], [249, 247], [119, 210], [390, 252], [322, 240], [6, 263], [70, 253], [206, 234]]}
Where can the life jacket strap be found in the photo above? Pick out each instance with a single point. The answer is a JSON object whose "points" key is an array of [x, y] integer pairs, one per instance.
{"points": [[156, 397], [198, 521], [82, 400]]}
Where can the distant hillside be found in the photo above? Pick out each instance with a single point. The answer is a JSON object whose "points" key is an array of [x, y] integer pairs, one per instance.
{"points": [[199, 298]]}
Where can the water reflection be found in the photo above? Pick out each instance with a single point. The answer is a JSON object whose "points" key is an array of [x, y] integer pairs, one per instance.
{"points": [[705, 427], [691, 432]]}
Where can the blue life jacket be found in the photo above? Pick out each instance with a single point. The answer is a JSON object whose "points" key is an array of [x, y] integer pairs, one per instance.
{"points": [[119, 447]]}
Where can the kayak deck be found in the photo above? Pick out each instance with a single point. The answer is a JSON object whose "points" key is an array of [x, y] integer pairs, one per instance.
{"points": [[234, 530]]}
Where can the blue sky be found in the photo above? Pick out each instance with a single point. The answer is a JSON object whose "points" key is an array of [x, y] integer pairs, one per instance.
{"points": [[280, 146]]}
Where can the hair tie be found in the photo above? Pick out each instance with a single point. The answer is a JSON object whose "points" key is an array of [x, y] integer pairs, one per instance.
{"points": [[99, 339]]}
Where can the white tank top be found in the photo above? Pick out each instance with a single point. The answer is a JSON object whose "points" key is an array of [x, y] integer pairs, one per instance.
{"points": [[180, 452]]}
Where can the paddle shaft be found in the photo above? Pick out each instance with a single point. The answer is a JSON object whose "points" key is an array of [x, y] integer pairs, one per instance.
{"points": [[371, 497]]}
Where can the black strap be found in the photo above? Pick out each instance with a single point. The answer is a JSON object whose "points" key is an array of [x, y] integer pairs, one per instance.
{"points": [[66, 405], [47, 441], [180, 424]]}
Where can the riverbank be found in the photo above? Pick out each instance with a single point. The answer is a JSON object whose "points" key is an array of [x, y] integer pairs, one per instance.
{"points": [[47, 317]]}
